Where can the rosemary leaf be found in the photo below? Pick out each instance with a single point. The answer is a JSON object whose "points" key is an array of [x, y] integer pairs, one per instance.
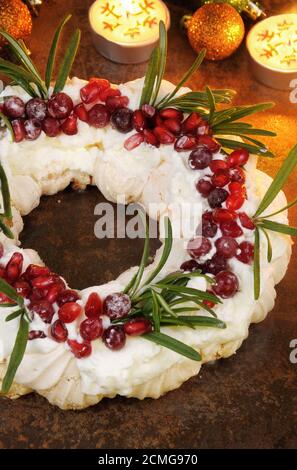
{"points": [[165, 254], [257, 278], [269, 246], [10, 292], [173, 344], [162, 61], [14, 315], [290, 204], [5, 194], [164, 305], [67, 61], [189, 291], [212, 104], [144, 259], [150, 78], [233, 144], [155, 311], [198, 320], [5, 229], [277, 227]]}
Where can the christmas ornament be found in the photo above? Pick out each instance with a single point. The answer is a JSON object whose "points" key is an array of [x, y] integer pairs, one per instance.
{"points": [[252, 9], [216, 27], [33, 5], [15, 18]]}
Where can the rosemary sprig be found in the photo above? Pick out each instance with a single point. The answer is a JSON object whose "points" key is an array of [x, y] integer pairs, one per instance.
{"points": [[53, 52], [6, 213]]}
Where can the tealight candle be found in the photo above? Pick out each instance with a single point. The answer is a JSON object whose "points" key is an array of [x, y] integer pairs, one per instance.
{"points": [[272, 45], [126, 31]]}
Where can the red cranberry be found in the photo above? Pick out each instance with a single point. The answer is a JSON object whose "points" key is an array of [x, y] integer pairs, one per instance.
{"points": [[51, 126], [90, 92], [116, 305], [91, 329], [217, 165], [231, 229], [60, 106], [203, 128], [80, 350], [36, 108], [32, 129], [220, 178], [198, 247], [246, 253], [226, 284], [209, 142], [14, 267], [14, 107], [238, 157], [98, 116], [122, 120], [173, 125], [191, 123], [209, 228], [134, 141], [217, 197], [204, 187], [93, 307], [81, 112], [36, 334], [69, 312], [22, 288], [164, 136], [235, 201], [226, 247], [223, 215], [59, 331], [171, 113], [151, 138], [114, 337], [245, 221], [185, 143], [237, 174], [138, 326], [18, 129], [44, 309], [200, 158], [114, 102], [189, 266], [109, 92], [69, 126], [215, 265], [139, 120], [148, 110]]}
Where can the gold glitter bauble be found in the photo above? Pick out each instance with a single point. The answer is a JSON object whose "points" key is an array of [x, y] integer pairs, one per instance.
{"points": [[15, 18], [218, 27]]}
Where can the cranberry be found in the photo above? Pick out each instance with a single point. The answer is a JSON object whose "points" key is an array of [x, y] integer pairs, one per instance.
{"points": [[164, 136], [148, 110], [209, 228], [235, 201], [226, 284], [216, 264], [203, 128], [134, 141], [171, 113], [200, 158], [220, 178], [114, 102], [204, 187], [36, 334], [226, 247], [60, 106], [69, 312], [116, 305], [122, 120], [209, 142], [22, 288], [191, 123], [190, 265], [246, 253], [51, 126], [59, 331], [217, 197], [81, 112], [185, 143], [36, 108], [217, 165], [93, 307], [237, 174], [238, 157], [245, 221], [80, 350], [173, 125], [18, 129], [69, 126], [91, 329], [44, 309], [32, 129], [108, 93], [231, 229], [90, 92], [14, 267], [98, 116], [114, 337], [198, 246], [151, 138], [138, 326], [139, 120], [224, 215], [14, 107]]}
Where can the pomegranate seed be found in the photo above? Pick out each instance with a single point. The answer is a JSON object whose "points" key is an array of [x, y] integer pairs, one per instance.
{"points": [[217, 197], [236, 187], [69, 312], [43, 282], [191, 123], [204, 187], [60, 106], [114, 102], [226, 247], [208, 303], [93, 307], [150, 138], [114, 337], [36, 108], [4, 299], [91, 329], [200, 158], [245, 221], [102, 82], [134, 141], [14, 107], [80, 350], [172, 125], [157, 121], [217, 165], [246, 252], [59, 331], [226, 284], [138, 326], [37, 294], [237, 174], [14, 267], [51, 126], [32, 129], [148, 110], [203, 128], [238, 157], [185, 142], [69, 126], [198, 246], [139, 120], [18, 129], [90, 92], [165, 137], [53, 293], [81, 112], [122, 120], [209, 142], [109, 92], [171, 113], [231, 229], [116, 305], [189, 266], [220, 178], [44, 309], [215, 265], [36, 334], [34, 270], [223, 215], [66, 296], [98, 116], [235, 201], [22, 288], [209, 228]]}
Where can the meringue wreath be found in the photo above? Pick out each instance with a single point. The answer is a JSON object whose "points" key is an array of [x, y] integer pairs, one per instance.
{"points": [[152, 328]]}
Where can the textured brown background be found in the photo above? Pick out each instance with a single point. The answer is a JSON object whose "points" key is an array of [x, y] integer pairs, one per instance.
{"points": [[246, 401]]}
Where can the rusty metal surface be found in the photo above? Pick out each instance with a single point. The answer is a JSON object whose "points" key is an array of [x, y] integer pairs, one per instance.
{"points": [[246, 401]]}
